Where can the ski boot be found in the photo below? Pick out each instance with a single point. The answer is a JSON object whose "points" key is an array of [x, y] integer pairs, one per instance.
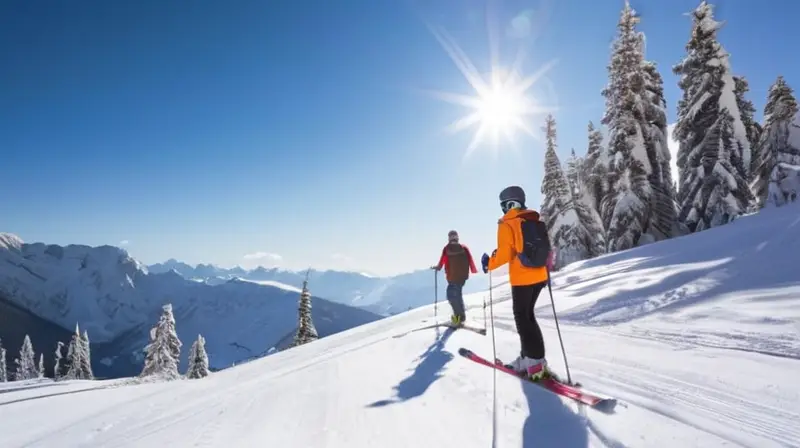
{"points": [[456, 321], [534, 369]]}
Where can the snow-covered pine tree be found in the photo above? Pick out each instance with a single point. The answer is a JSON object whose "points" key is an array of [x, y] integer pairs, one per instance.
{"points": [[198, 359], [663, 206], [775, 180], [59, 361], [76, 357], [86, 357], [574, 167], [714, 155], [72, 360], [593, 238], [26, 363], [40, 370], [164, 350], [306, 332], [595, 168], [751, 126], [567, 234], [626, 207], [3, 366]]}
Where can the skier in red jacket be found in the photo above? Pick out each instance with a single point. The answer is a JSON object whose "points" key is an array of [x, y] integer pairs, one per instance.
{"points": [[458, 263]]}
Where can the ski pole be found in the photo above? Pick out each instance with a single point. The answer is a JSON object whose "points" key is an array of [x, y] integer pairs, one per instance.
{"points": [[555, 317], [494, 371], [436, 295]]}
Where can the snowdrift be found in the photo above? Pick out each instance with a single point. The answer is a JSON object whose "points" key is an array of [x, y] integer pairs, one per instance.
{"points": [[676, 331]]}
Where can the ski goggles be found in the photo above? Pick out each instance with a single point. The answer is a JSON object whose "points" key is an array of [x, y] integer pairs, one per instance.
{"points": [[508, 205]]}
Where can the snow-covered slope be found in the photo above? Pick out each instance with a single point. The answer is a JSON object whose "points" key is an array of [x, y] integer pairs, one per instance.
{"points": [[114, 297], [381, 295], [675, 330]]}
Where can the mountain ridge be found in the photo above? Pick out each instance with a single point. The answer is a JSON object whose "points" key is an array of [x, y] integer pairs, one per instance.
{"points": [[117, 300]]}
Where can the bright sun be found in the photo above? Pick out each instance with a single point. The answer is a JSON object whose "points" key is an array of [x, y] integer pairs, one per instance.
{"points": [[500, 111], [499, 104]]}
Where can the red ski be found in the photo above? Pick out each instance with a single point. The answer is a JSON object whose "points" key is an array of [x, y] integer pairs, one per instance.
{"points": [[595, 401]]}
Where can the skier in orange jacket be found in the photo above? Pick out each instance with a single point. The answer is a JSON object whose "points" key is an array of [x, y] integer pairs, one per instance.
{"points": [[523, 243]]}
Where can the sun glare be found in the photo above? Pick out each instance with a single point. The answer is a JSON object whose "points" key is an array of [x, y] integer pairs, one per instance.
{"points": [[500, 111], [499, 105]]}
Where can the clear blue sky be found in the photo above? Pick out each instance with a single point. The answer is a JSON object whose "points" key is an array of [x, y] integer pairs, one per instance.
{"points": [[209, 130]]}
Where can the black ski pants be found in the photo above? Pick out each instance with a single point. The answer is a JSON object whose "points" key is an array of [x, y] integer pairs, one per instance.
{"points": [[530, 335]]}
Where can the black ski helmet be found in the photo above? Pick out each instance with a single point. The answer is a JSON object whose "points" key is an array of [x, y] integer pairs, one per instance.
{"points": [[513, 193]]}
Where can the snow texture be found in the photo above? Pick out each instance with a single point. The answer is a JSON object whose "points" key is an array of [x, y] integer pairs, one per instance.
{"points": [[697, 337]]}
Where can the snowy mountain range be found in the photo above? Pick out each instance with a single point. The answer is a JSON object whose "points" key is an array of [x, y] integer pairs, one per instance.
{"points": [[381, 295], [117, 300]]}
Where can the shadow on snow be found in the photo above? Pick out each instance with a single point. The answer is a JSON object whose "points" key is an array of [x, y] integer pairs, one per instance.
{"points": [[428, 370], [669, 275]]}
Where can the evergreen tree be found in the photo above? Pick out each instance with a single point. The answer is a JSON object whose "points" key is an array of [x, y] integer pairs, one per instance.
{"points": [[198, 359], [306, 332], [626, 207], [663, 206], [26, 363], [163, 352], [73, 357], [574, 177], [775, 179], [86, 357], [567, 235], [595, 168], [77, 356], [3, 366], [59, 368], [40, 371], [751, 126], [592, 234], [714, 154]]}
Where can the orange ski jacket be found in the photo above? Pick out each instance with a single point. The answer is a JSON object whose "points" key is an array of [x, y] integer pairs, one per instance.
{"points": [[509, 243]]}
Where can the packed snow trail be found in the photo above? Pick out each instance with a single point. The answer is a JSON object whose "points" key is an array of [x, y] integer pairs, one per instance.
{"points": [[712, 382], [365, 388]]}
